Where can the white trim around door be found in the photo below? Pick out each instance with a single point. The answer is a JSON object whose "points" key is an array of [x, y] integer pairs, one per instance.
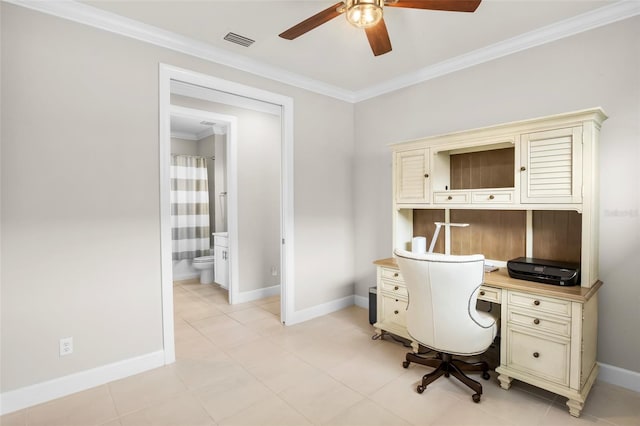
{"points": [[168, 73]]}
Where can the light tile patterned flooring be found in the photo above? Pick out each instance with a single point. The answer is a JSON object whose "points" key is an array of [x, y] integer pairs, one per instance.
{"points": [[236, 365]]}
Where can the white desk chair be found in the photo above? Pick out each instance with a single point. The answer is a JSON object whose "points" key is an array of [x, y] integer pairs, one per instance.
{"points": [[442, 315]]}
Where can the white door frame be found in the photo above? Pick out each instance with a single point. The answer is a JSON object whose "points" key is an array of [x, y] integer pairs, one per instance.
{"points": [[167, 73]]}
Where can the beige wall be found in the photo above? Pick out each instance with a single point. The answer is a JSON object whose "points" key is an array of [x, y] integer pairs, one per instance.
{"points": [[220, 183], [597, 68], [184, 147], [80, 203]]}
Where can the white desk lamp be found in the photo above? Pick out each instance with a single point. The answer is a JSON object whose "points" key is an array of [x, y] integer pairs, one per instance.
{"points": [[435, 234]]}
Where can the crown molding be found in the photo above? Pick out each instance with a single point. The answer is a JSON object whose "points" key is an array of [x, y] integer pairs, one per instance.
{"points": [[584, 22], [87, 15], [183, 135], [97, 18], [216, 129]]}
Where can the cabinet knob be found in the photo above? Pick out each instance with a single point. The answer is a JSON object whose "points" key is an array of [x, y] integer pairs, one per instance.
{"points": [[426, 175], [523, 168], [536, 302], [395, 275], [536, 321], [396, 312], [536, 355], [482, 293], [491, 197], [396, 288], [449, 197]]}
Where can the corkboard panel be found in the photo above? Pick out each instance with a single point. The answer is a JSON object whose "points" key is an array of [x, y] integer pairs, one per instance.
{"points": [[557, 235], [498, 234], [483, 169], [423, 226]]}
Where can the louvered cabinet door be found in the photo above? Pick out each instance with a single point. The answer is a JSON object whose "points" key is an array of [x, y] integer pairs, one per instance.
{"points": [[551, 166], [412, 176]]}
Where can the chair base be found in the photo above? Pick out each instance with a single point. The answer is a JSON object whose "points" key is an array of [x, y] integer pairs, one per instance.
{"points": [[444, 364]]}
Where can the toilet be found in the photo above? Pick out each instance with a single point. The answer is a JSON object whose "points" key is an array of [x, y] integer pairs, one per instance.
{"points": [[204, 264]]}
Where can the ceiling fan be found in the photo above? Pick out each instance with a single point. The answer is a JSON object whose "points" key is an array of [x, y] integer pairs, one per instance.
{"points": [[367, 14]]}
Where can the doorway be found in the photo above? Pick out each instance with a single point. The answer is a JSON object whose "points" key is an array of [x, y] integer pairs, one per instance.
{"points": [[170, 76], [200, 210]]}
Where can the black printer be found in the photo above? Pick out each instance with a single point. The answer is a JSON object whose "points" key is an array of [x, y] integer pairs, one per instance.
{"points": [[544, 271]]}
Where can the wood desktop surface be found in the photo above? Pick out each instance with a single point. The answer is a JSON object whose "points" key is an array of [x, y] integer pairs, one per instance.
{"points": [[501, 279]]}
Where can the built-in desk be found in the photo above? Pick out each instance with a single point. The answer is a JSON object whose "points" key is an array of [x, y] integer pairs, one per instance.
{"points": [[548, 333]]}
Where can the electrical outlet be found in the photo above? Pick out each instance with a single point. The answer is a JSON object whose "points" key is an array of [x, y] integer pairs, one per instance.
{"points": [[66, 346], [274, 271]]}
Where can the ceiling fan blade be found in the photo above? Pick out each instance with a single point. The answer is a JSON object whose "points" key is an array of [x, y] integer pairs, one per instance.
{"points": [[313, 22], [449, 5], [379, 38]]}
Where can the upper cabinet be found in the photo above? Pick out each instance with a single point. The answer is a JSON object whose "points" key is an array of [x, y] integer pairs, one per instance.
{"points": [[550, 168], [412, 176], [522, 165]]}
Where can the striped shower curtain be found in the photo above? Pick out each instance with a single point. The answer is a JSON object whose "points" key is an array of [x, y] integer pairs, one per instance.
{"points": [[189, 207]]}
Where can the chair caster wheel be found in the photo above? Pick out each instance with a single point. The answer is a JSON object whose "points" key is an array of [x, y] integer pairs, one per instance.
{"points": [[476, 397], [420, 388], [405, 364], [485, 375]]}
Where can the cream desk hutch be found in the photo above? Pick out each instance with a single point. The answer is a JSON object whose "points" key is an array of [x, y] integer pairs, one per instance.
{"points": [[528, 188]]}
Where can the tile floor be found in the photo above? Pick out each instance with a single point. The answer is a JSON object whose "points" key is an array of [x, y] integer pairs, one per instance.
{"points": [[236, 365]]}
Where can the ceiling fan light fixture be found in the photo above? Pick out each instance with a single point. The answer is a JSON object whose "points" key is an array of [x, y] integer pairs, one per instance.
{"points": [[364, 13]]}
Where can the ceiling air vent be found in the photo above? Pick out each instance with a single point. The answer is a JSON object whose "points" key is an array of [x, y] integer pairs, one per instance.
{"points": [[238, 39]]}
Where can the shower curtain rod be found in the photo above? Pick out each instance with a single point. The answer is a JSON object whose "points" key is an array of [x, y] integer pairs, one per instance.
{"points": [[197, 156]]}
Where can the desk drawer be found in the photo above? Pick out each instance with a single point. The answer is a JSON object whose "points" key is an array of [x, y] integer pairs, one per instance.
{"points": [[492, 197], [541, 357], [394, 310], [540, 323], [391, 274], [540, 303], [490, 294], [395, 288], [451, 197]]}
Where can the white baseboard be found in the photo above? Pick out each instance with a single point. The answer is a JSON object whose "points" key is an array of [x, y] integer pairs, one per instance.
{"points": [[320, 310], [619, 376], [362, 301], [185, 276], [46, 391], [261, 293]]}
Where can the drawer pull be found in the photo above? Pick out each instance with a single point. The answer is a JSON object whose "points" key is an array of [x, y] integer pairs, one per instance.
{"points": [[396, 288], [396, 274], [536, 355], [396, 312], [523, 168], [491, 197], [536, 321], [449, 197], [536, 302], [426, 175], [482, 293]]}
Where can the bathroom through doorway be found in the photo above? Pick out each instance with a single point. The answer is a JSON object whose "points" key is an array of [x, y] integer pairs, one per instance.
{"points": [[259, 193]]}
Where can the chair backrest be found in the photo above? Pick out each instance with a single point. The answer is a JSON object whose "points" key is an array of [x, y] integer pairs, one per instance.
{"points": [[443, 291]]}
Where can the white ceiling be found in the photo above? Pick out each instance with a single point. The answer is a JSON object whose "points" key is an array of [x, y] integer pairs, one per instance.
{"points": [[336, 57], [190, 128]]}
